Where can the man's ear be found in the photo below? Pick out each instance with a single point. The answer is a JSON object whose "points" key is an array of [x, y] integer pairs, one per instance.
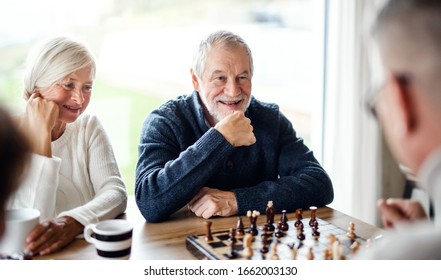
{"points": [[404, 96], [194, 80]]}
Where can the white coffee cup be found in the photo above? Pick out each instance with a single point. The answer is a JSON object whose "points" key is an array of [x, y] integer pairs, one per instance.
{"points": [[19, 222], [111, 238]]}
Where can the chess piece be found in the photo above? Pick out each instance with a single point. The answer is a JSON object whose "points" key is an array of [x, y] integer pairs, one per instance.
{"points": [[354, 248], [293, 251], [351, 234], [337, 251], [264, 248], [299, 217], [310, 255], [279, 233], [270, 216], [239, 227], [315, 232], [327, 254], [313, 210], [253, 220], [274, 254], [247, 250], [331, 238], [300, 235], [284, 221], [265, 231], [208, 236], [232, 242]]}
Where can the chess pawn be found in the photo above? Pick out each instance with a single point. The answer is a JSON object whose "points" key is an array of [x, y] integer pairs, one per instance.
{"points": [[313, 210], [300, 227], [232, 242], [300, 235], [279, 233], [232, 235], [265, 231], [327, 254], [354, 248], [264, 248], [315, 232], [298, 217], [310, 255], [284, 221], [351, 233], [239, 227], [208, 235]]}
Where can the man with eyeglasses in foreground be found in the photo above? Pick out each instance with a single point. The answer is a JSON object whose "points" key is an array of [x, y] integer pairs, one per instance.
{"points": [[408, 33]]}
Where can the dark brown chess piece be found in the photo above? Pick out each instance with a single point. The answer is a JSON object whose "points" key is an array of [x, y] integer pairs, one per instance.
{"points": [[208, 236], [284, 221], [239, 227], [279, 233], [231, 243], [315, 232], [264, 248], [299, 217], [313, 210], [270, 216], [253, 220]]}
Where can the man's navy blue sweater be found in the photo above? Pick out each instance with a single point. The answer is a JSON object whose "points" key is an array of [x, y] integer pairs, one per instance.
{"points": [[179, 154]]}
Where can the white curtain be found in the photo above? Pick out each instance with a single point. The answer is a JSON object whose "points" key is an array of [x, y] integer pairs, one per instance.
{"points": [[352, 139]]}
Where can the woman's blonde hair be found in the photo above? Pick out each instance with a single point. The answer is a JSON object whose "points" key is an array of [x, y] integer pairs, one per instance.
{"points": [[54, 61]]}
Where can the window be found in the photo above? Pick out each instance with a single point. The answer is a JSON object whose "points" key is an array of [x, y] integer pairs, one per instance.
{"points": [[145, 48]]}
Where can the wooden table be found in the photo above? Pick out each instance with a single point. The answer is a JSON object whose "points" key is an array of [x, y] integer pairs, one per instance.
{"points": [[166, 240]]}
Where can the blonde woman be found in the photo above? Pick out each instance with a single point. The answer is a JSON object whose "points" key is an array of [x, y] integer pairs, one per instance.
{"points": [[74, 178]]}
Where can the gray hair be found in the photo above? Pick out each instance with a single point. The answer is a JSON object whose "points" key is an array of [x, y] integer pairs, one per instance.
{"points": [[222, 38], [54, 61], [409, 34]]}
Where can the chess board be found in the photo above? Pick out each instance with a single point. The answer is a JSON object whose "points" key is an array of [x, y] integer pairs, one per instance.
{"points": [[219, 248]]}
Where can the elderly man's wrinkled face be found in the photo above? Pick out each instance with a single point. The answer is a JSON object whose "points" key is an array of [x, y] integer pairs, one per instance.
{"points": [[225, 85]]}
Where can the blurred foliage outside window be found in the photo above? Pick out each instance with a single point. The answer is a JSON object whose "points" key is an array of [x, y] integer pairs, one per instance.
{"points": [[144, 50]]}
